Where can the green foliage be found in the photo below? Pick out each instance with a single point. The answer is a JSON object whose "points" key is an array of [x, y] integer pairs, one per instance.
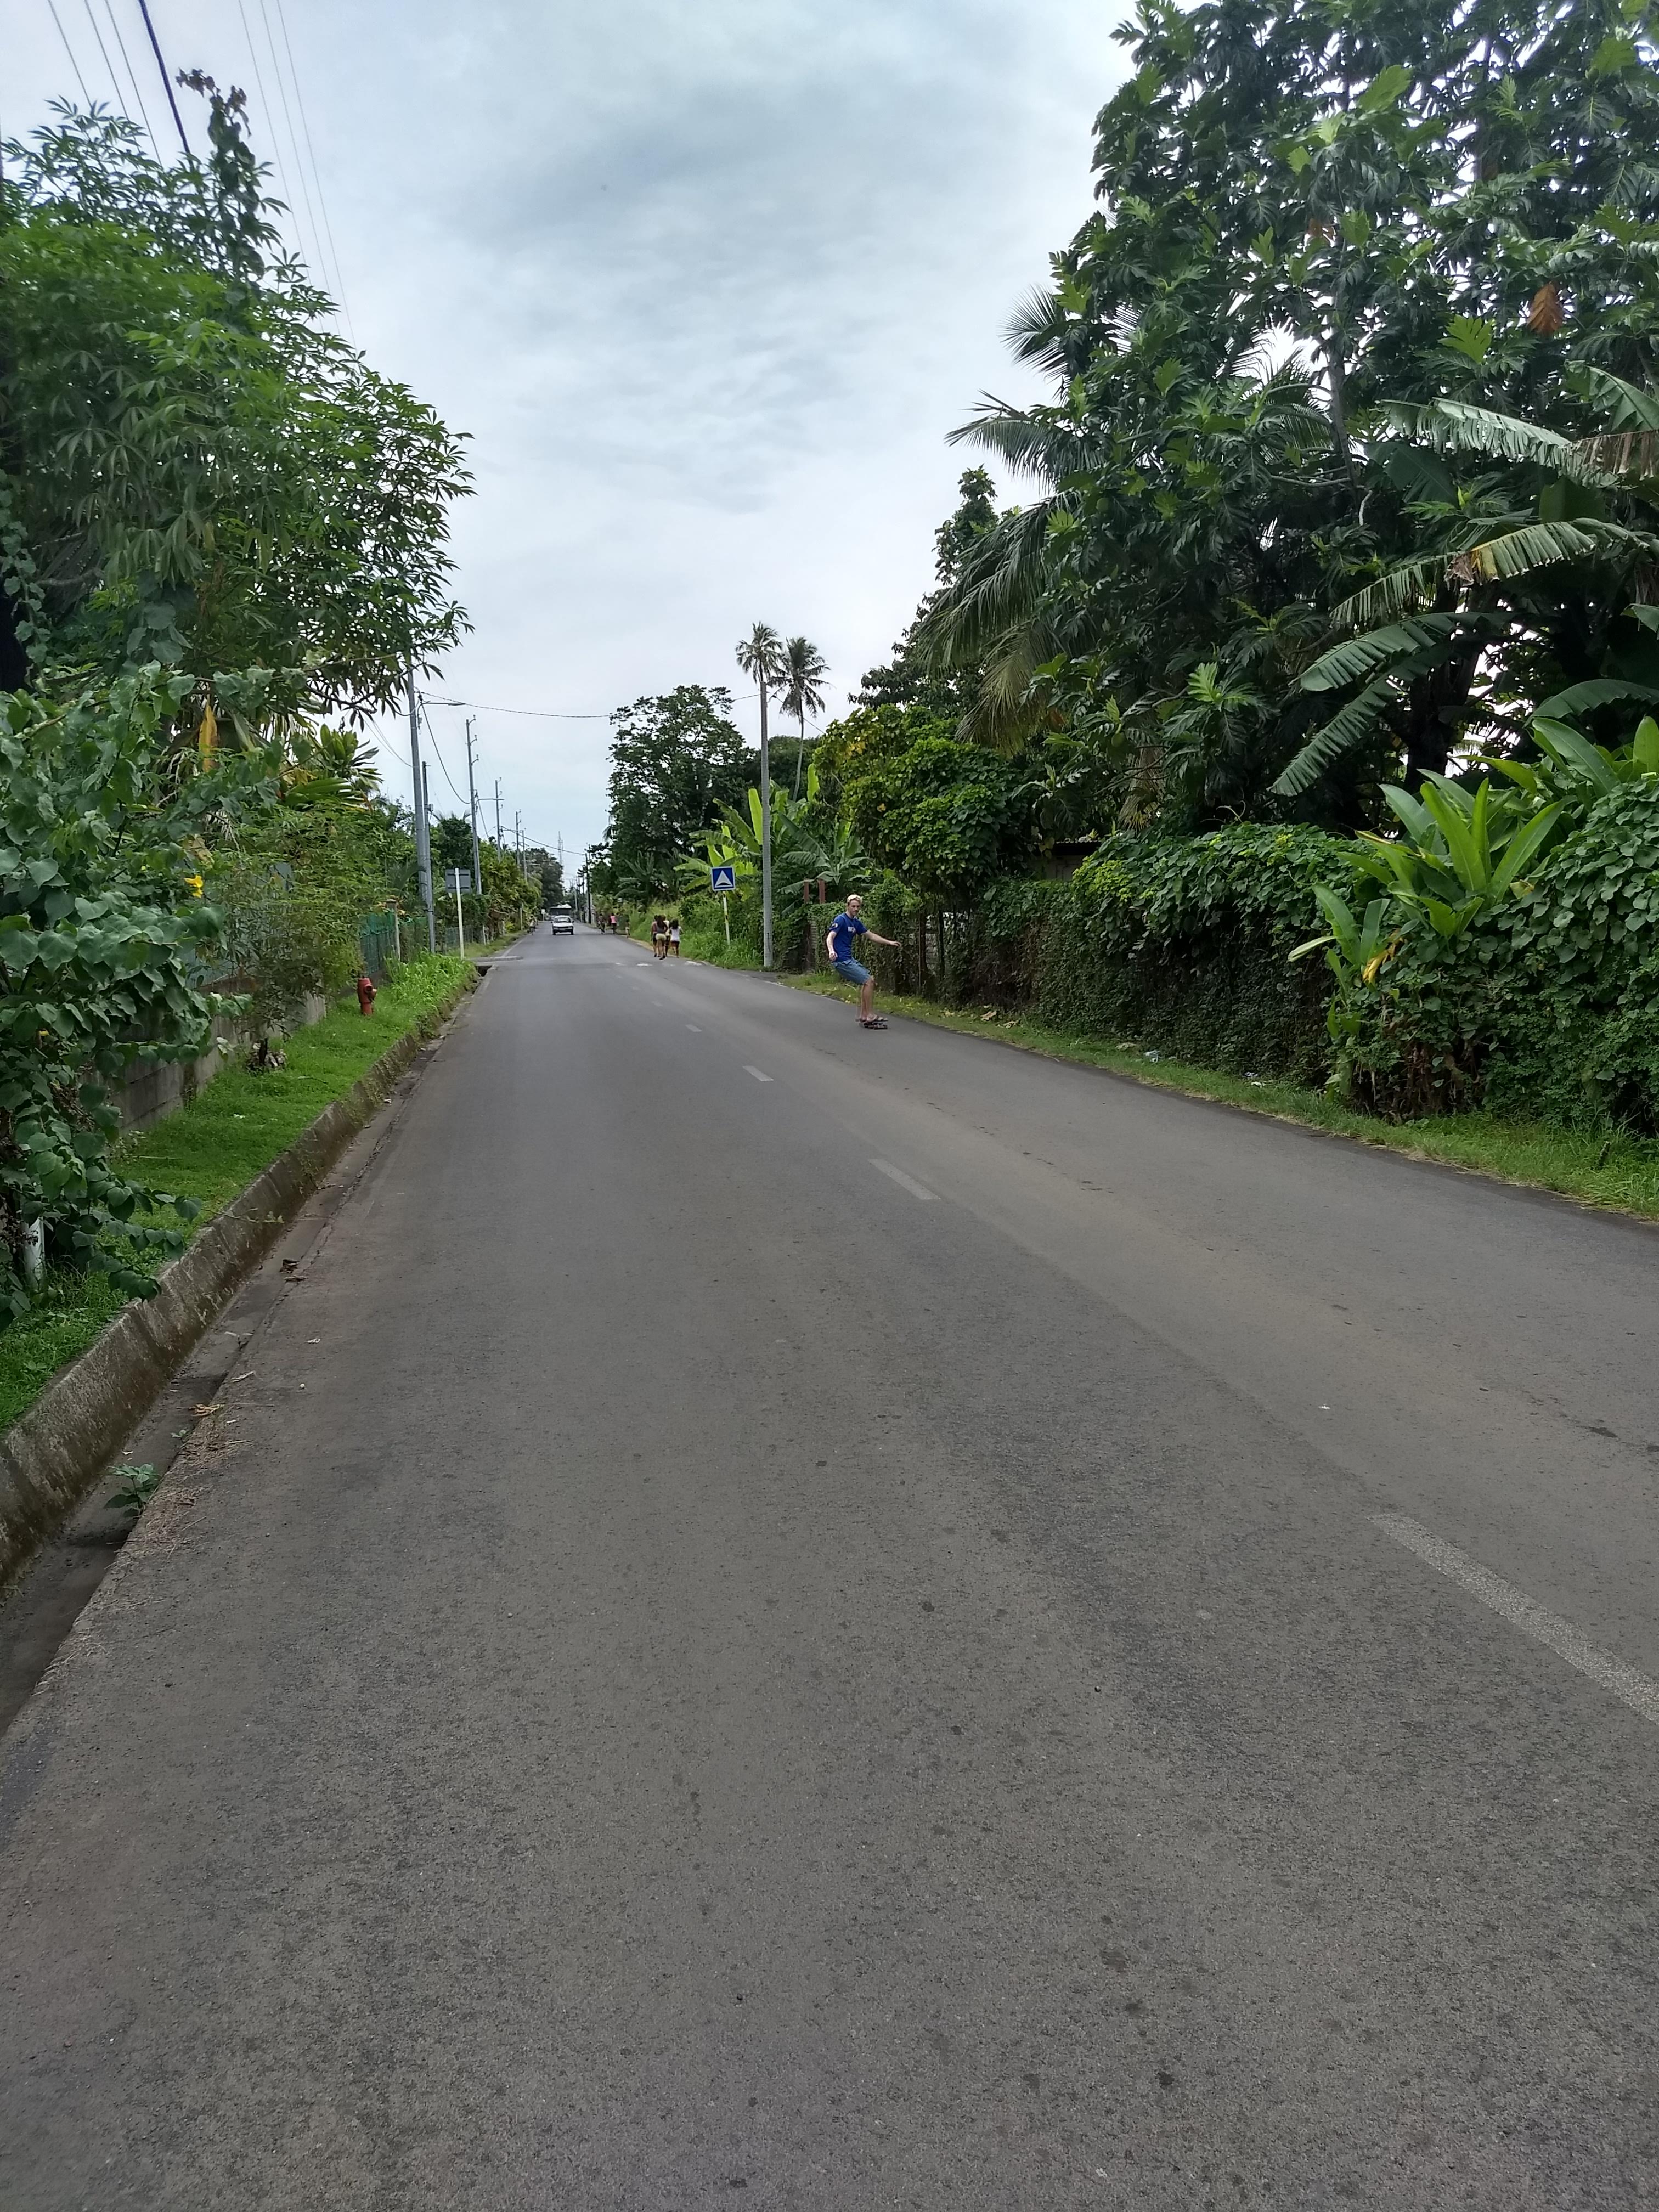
{"points": [[212, 1149], [1180, 943], [1533, 993], [675, 761], [945, 817], [134, 1488], [194, 468], [103, 933], [1462, 852], [909, 679], [1447, 212]]}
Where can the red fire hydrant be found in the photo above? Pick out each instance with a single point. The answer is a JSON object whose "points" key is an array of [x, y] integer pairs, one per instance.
{"points": [[365, 995]]}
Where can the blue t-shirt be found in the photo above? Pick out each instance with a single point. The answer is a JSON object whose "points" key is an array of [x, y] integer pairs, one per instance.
{"points": [[842, 930]]}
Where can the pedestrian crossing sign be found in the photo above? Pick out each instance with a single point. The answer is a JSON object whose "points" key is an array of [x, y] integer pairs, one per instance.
{"points": [[723, 878]]}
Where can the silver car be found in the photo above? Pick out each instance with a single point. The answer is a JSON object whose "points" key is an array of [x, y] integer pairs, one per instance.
{"points": [[561, 918]]}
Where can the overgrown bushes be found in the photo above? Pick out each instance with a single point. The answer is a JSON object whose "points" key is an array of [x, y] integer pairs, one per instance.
{"points": [[1181, 944], [102, 928], [1547, 1006]]}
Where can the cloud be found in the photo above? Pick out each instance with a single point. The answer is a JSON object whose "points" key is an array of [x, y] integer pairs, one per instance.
{"points": [[706, 284]]}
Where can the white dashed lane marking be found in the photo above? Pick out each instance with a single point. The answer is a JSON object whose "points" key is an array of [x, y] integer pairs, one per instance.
{"points": [[904, 1182], [756, 1073], [1638, 1691], [695, 1030]]}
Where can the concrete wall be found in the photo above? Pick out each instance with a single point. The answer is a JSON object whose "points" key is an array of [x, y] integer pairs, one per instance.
{"points": [[150, 1094]]}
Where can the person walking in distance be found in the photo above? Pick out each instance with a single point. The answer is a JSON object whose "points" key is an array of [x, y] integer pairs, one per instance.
{"points": [[843, 933], [674, 936]]}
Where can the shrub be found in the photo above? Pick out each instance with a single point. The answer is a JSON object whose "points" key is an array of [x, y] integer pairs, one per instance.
{"points": [[1181, 943], [103, 934]]}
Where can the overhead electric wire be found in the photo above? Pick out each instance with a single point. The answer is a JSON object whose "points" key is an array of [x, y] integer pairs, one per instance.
{"points": [[70, 50], [299, 163], [132, 79], [161, 63], [535, 714], [548, 714], [103, 54], [269, 114], [317, 175], [432, 734]]}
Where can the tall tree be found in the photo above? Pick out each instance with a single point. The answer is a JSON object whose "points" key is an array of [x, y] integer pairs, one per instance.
{"points": [[804, 671], [1438, 207], [760, 656], [675, 761], [194, 468]]}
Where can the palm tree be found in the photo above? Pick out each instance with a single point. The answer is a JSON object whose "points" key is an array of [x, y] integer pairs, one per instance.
{"points": [[804, 671], [760, 656]]}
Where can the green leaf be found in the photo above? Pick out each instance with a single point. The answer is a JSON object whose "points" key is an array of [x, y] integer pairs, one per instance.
{"points": [[1595, 691], [1613, 56], [1386, 89]]}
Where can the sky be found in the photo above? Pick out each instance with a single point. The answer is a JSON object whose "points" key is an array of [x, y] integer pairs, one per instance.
{"points": [[706, 286]]}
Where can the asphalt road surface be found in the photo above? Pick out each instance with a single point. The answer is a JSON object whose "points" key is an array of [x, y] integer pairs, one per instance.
{"points": [[868, 1620]]}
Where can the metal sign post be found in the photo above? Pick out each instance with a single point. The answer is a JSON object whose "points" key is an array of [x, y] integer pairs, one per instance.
{"points": [[460, 879]]}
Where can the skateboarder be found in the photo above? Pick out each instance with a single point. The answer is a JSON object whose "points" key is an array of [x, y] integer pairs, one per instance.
{"points": [[844, 932]]}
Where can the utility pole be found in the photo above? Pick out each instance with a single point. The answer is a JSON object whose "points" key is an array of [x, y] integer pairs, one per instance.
{"points": [[473, 812], [766, 833], [423, 843], [426, 811], [498, 814]]}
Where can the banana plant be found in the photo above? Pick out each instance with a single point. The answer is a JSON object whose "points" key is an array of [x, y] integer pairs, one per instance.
{"points": [[805, 846], [1356, 952], [1575, 770], [1352, 949], [1463, 852]]}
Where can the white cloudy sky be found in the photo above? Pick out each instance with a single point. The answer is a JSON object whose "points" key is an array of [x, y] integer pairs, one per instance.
{"points": [[706, 281]]}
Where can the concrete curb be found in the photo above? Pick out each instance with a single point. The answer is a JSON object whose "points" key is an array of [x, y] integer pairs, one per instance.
{"points": [[50, 1454]]}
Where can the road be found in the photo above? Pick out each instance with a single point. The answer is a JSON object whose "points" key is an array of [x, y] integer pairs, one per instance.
{"points": [[870, 1621]]}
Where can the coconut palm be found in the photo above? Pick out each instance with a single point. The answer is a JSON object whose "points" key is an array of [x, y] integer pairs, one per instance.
{"points": [[760, 656], [804, 671]]}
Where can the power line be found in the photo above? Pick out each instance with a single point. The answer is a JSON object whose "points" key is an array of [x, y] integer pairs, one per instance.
{"points": [[98, 40], [546, 713], [535, 714], [448, 779], [161, 63], [126, 63], [70, 50], [317, 175], [270, 113], [299, 166]]}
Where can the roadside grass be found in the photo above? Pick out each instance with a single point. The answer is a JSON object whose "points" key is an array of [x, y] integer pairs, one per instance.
{"points": [[1598, 1169], [213, 1148]]}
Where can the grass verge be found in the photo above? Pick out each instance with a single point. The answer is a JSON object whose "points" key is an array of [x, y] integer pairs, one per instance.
{"points": [[214, 1147], [1614, 1171]]}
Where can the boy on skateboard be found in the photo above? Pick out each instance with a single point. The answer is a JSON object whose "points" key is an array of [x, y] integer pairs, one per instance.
{"points": [[844, 930]]}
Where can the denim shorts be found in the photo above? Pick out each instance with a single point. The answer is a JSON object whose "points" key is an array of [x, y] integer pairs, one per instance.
{"points": [[852, 971]]}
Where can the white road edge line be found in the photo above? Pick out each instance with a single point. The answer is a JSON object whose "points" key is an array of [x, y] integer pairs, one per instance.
{"points": [[756, 1073], [1638, 1691], [904, 1182]]}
